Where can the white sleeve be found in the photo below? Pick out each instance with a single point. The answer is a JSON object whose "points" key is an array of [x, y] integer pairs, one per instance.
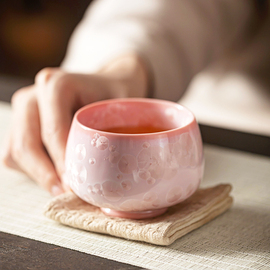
{"points": [[176, 38]]}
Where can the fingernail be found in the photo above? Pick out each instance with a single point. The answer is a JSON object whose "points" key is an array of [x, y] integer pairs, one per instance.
{"points": [[56, 190]]}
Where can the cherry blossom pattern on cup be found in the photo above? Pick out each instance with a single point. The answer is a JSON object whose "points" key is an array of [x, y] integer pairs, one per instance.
{"points": [[151, 163], [127, 164], [79, 173], [98, 189], [184, 151], [146, 145], [126, 185], [174, 195], [141, 175], [80, 152], [100, 142], [94, 140], [151, 181], [92, 161], [119, 176], [67, 177], [112, 148], [114, 157], [150, 196], [144, 175], [95, 189], [156, 203], [112, 191], [171, 162], [137, 172], [90, 190]]}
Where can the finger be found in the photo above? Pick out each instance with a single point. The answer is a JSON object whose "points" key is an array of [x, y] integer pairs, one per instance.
{"points": [[59, 95], [6, 157], [27, 149], [45, 74], [56, 102]]}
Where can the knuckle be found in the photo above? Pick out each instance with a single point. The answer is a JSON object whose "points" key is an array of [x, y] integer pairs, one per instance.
{"points": [[56, 84], [19, 96], [62, 83], [49, 134], [44, 75]]}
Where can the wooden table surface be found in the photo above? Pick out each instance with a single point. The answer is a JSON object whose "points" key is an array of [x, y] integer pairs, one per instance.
{"points": [[22, 253]]}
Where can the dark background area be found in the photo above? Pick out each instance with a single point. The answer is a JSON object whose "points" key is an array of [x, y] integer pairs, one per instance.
{"points": [[34, 33]]}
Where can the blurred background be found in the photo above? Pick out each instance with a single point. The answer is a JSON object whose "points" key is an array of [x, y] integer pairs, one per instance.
{"points": [[33, 35], [233, 93]]}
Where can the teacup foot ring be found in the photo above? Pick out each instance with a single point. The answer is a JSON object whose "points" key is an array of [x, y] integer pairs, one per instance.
{"points": [[134, 215]]}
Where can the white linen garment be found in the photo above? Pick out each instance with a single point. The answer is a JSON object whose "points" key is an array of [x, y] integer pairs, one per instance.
{"points": [[177, 38]]}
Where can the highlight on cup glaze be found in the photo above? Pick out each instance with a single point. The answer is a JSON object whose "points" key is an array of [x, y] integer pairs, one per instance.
{"points": [[134, 154]]}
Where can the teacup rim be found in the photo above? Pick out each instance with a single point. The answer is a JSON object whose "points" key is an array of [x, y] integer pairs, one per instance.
{"points": [[151, 100]]}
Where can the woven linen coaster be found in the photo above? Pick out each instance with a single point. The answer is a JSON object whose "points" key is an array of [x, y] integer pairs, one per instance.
{"points": [[200, 208]]}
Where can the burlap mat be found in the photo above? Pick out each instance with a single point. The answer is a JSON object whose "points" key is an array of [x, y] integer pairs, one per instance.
{"points": [[200, 208]]}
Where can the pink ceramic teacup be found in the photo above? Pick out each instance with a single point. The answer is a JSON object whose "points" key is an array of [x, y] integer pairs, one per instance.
{"points": [[134, 157]]}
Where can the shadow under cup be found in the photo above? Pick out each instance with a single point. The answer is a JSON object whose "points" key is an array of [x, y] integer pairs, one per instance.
{"points": [[134, 157]]}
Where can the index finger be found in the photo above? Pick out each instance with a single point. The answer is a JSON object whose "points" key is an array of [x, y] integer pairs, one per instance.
{"points": [[56, 104]]}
